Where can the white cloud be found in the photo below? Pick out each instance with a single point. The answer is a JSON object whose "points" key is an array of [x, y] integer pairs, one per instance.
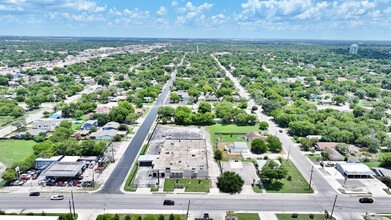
{"points": [[174, 3], [162, 11], [218, 19], [292, 14], [10, 8], [193, 15]]}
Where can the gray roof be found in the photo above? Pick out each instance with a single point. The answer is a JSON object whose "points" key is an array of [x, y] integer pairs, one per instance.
{"points": [[90, 121], [103, 133], [64, 169], [47, 122], [112, 124]]}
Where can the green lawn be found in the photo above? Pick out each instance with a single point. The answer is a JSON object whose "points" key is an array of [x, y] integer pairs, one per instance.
{"points": [[212, 129], [300, 216], [4, 120], [247, 216], [371, 164], [191, 185], [132, 176], [76, 126], [296, 185], [15, 150], [314, 157]]}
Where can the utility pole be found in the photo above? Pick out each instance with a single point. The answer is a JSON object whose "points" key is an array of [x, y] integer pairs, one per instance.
{"points": [[93, 178], [73, 204], [112, 153], [332, 210], [70, 210], [289, 152], [188, 208], [312, 170]]}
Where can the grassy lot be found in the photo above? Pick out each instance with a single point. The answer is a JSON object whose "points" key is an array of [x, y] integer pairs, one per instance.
{"points": [[300, 216], [191, 185], [135, 216], [4, 120], [76, 126], [15, 150], [212, 129], [129, 182], [314, 157], [247, 216], [63, 216], [296, 185], [227, 156], [371, 164]]}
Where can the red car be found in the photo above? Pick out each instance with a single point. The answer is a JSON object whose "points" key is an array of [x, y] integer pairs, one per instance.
{"points": [[75, 182], [99, 169], [25, 178]]}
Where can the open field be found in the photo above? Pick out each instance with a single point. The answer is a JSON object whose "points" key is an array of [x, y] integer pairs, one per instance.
{"points": [[212, 129], [371, 164], [314, 157], [191, 185], [296, 185], [15, 150]]}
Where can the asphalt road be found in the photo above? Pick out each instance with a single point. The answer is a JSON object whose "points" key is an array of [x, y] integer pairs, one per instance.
{"points": [[119, 174]]}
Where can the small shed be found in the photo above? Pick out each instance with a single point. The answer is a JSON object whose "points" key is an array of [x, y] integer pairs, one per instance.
{"points": [[238, 148]]}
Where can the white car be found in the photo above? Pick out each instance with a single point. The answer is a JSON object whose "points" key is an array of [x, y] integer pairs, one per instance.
{"points": [[57, 197]]}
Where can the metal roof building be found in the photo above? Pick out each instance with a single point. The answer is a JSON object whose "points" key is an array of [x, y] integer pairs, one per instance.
{"points": [[64, 169], [354, 170]]}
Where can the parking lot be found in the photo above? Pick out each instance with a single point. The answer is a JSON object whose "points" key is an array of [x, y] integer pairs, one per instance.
{"points": [[245, 169]]}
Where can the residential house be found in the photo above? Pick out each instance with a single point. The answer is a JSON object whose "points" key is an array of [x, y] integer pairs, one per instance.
{"points": [[148, 99], [88, 124], [323, 145], [139, 111], [48, 125], [104, 135], [333, 154], [111, 126], [103, 110], [255, 135]]}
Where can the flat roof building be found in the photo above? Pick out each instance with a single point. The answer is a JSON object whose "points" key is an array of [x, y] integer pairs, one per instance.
{"points": [[42, 162], [238, 148], [70, 159], [64, 169], [182, 159], [354, 170]]}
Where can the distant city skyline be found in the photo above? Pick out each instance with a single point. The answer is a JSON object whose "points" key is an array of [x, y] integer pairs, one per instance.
{"points": [[248, 19]]}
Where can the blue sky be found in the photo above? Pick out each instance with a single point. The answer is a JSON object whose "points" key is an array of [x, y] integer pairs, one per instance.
{"points": [[265, 19]]}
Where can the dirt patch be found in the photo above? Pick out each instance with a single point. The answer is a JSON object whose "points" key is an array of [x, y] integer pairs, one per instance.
{"points": [[226, 155]]}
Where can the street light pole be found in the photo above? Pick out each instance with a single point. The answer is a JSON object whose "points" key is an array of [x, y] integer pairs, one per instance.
{"points": [[289, 151], [332, 210]]}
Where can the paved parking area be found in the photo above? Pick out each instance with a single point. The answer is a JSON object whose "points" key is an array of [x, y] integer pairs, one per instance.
{"points": [[245, 169]]}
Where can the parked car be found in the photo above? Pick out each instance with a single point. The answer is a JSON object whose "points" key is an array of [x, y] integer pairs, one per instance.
{"points": [[75, 182], [365, 200], [168, 202], [50, 184], [57, 197], [206, 215], [35, 194]]}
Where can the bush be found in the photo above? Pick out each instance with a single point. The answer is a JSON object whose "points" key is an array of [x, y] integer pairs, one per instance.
{"points": [[312, 216], [289, 178], [164, 120], [123, 127], [127, 217], [218, 155], [263, 125], [258, 146], [2, 212], [295, 215]]}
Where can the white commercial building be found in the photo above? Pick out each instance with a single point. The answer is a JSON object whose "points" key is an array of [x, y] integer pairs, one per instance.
{"points": [[354, 170]]}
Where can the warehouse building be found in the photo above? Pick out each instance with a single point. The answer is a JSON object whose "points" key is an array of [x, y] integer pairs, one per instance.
{"points": [[64, 169], [182, 159], [354, 170]]}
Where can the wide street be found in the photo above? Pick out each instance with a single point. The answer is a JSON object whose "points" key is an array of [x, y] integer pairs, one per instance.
{"points": [[110, 196], [119, 174]]}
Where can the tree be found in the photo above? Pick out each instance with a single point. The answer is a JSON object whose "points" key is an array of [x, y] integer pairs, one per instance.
{"points": [[28, 136], [371, 143], [103, 81], [258, 146], [127, 105], [93, 129], [9, 175], [117, 138], [339, 99], [272, 171], [243, 105], [78, 114], [270, 105], [359, 111], [263, 125], [386, 160], [204, 107], [230, 182], [274, 144], [122, 127], [218, 155], [175, 97], [254, 108]]}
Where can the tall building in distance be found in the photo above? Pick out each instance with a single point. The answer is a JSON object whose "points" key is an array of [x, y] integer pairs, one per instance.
{"points": [[353, 49]]}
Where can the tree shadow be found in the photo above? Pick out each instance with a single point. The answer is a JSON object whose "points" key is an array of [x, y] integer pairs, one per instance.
{"points": [[272, 185]]}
